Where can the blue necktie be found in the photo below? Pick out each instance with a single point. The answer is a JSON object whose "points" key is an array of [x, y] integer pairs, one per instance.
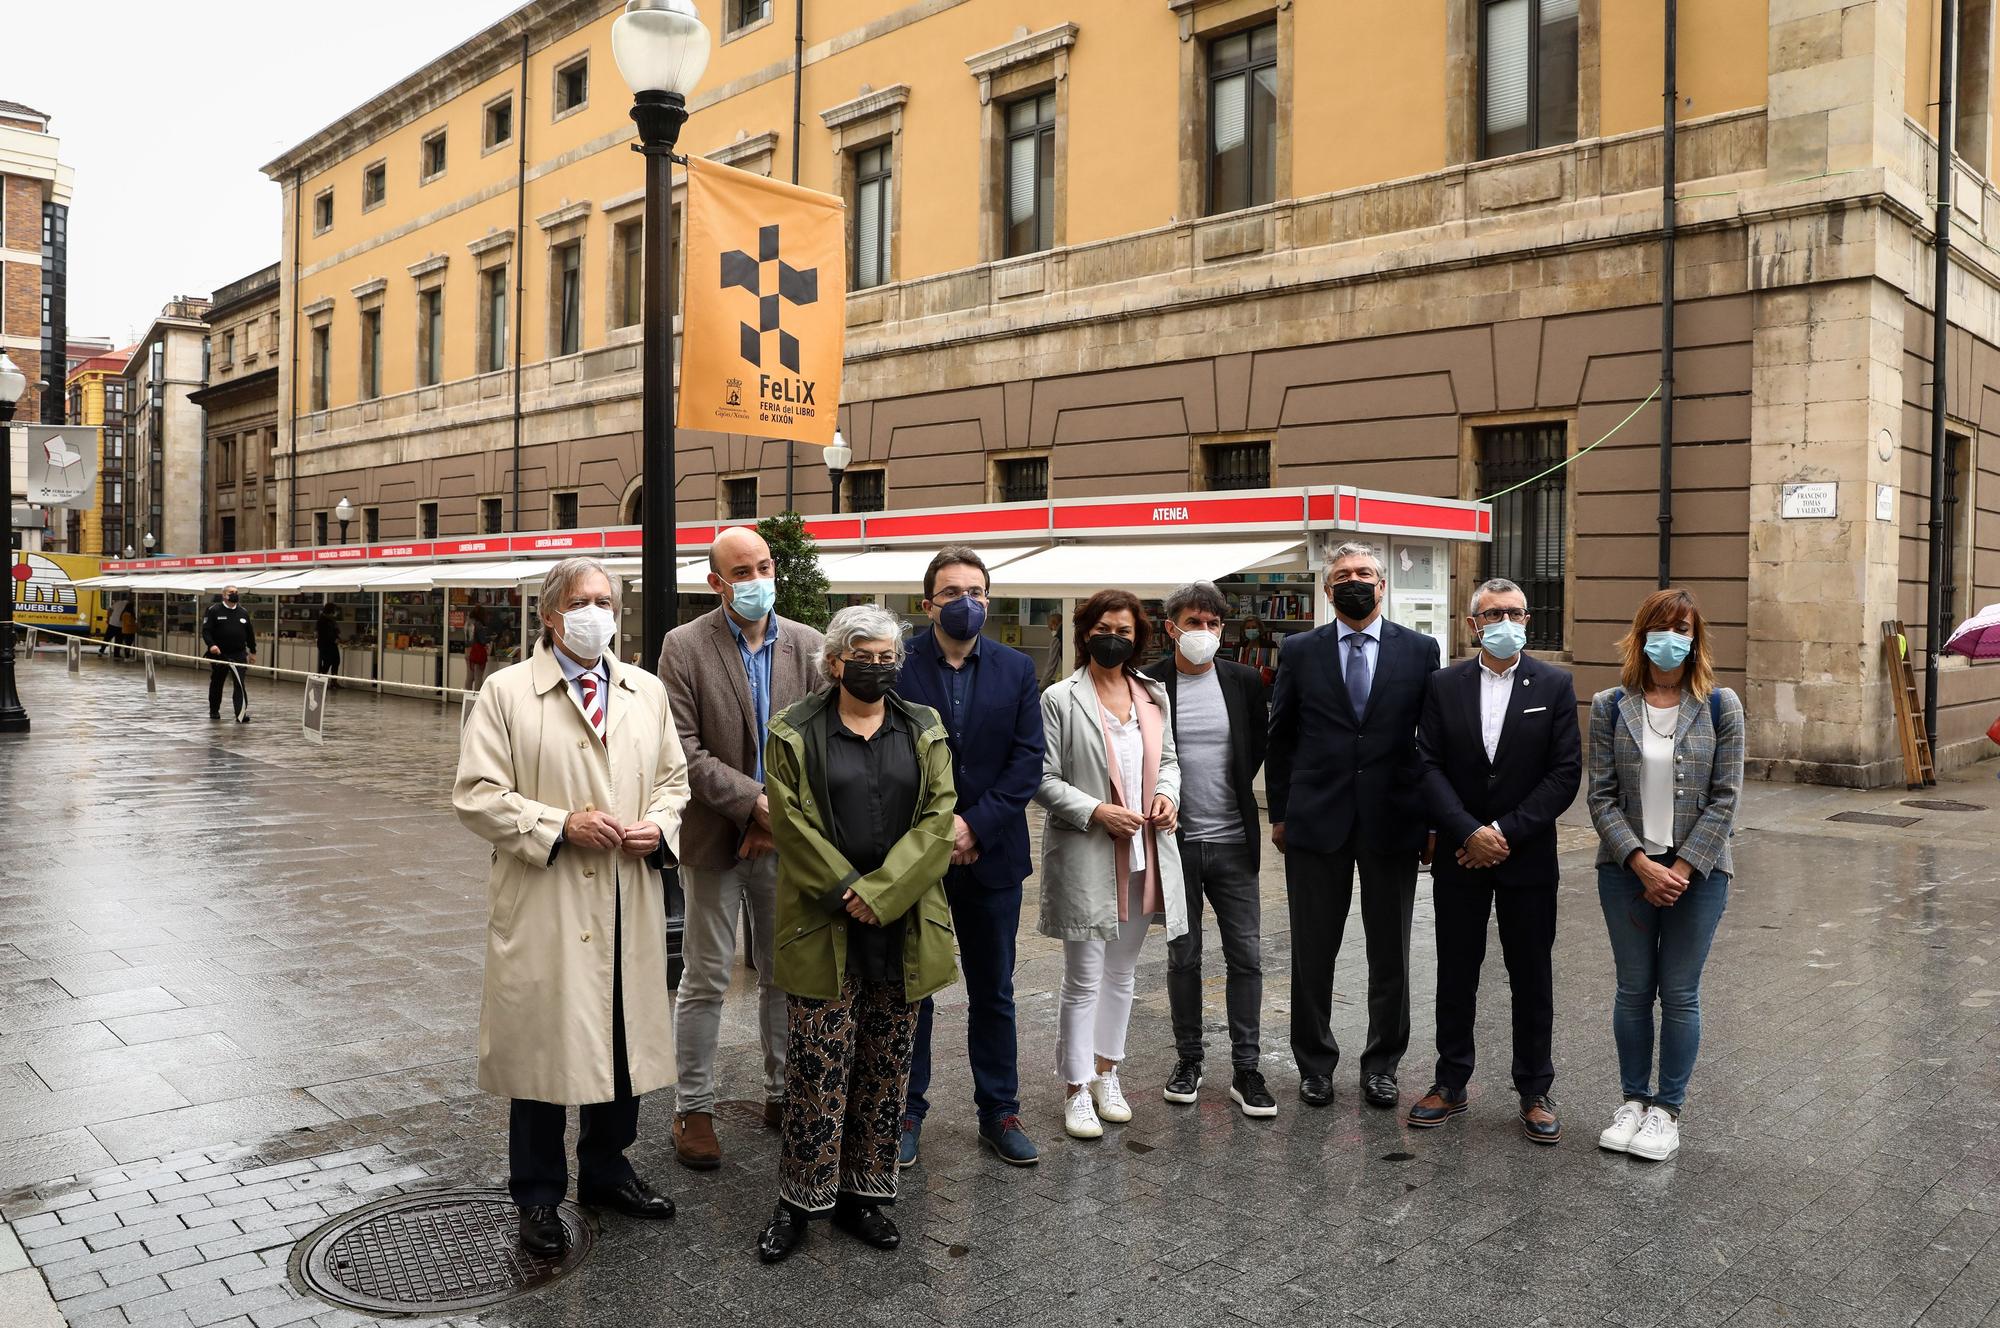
{"points": [[1357, 673]]}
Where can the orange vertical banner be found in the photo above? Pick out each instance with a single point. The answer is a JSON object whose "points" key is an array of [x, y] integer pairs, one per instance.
{"points": [[764, 325]]}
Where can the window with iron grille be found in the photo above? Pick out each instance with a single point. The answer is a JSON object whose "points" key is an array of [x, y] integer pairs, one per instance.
{"points": [[1527, 75], [866, 490], [1239, 465], [489, 516], [740, 499], [1958, 529], [319, 529], [427, 520], [371, 525], [1530, 524], [1024, 480], [562, 512]]}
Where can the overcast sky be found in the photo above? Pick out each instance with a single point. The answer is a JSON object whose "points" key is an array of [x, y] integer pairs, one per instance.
{"points": [[166, 109]]}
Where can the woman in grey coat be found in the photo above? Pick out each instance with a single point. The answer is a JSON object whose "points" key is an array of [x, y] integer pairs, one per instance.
{"points": [[1110, 863], [1666, 770]]}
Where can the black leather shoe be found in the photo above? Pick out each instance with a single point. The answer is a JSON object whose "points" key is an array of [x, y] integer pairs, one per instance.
{"points": [[1316, 1090], [867, 1224], [785, 1233], [542, 1231], [1436, 1107], [1380, 1090], [634, 1198]]}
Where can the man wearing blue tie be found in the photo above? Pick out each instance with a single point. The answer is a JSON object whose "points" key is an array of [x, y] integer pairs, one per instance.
{"points": [[1343, 783]]}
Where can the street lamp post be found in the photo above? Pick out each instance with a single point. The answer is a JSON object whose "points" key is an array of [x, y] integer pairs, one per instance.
{"points": [[837, 457], [150, 542], [661, 48], [13, 383], [131, 552], [343, 512]]}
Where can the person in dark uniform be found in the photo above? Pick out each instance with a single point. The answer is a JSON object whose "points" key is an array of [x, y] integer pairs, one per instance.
{"points": [[329, 639], [231, 642]]}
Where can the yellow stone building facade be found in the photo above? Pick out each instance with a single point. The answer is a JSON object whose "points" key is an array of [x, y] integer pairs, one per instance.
{"points": [[1150, 245]]}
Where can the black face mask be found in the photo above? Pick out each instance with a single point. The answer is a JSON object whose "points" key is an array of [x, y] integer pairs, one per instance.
{"points": [[229, 600], [1109, 651], [1354, 599], [868, 683]]}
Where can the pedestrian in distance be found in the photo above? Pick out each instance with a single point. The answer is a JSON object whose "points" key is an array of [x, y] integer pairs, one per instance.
{"points": [[329, 639], [128, 629], [1057, 666], [570, 766], [1219, 731], [987, 695], [478, 650], [1111, 788], [232, 642], [727, 673], [1343, 783], [1502, 759], [862, 810], [1666, 773]]}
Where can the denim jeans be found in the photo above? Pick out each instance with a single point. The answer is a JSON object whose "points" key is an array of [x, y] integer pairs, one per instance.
{"points": [[1660, 953], [1227, 876]]}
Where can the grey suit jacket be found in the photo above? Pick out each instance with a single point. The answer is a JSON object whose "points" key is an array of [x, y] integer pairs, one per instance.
{"points": [[710, 695], [1708, 778]]}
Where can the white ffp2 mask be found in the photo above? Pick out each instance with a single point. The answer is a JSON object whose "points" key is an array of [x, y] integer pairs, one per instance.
{"points": [[588, 630], [1197, 648]]}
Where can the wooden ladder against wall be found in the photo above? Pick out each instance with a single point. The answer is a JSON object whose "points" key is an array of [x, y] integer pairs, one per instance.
{"points": [[1917, 767]]}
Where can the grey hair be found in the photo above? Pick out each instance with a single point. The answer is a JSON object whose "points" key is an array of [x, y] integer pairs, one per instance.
{"points": [[1200, 595], [1356, 549], [556, 585], [854, 624], [1498, 585]]}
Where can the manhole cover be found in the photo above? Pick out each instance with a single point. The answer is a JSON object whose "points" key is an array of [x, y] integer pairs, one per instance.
{"points": [[1874, 818], [1942, 805], [430, 1253], [743, 1113]]}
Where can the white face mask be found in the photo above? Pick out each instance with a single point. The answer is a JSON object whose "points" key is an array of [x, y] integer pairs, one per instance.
{"points": [[587, 631], [1198, 648]]}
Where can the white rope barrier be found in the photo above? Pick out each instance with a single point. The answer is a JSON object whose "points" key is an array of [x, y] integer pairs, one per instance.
{"points": [[443, 694]]}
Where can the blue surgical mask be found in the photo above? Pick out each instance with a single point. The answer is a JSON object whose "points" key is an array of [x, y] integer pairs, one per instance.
{"points": [[1669, 650], [1503, 640], [962, 618], [754, 600]]}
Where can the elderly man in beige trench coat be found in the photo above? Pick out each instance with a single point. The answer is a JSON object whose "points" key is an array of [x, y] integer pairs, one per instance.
{"points": [[571, 767]]}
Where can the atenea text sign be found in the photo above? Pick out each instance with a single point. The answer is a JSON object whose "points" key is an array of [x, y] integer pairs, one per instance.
{"points": [[1808, 502], [766, 304]]}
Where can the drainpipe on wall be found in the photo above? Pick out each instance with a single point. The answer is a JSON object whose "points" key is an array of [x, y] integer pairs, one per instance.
{"points": [[520, 263], [1940, 326], [1667, 201], [798, 122], [292, 500]]}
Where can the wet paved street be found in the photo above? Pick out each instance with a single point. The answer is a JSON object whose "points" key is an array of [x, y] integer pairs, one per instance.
{"points": [[239, 979]]}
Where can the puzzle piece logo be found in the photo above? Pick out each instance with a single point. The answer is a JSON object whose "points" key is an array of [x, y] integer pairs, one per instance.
{"points": [[775, 283]]}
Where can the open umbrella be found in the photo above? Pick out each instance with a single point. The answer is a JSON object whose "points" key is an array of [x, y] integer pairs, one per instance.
{"points": [[1978, 637]]}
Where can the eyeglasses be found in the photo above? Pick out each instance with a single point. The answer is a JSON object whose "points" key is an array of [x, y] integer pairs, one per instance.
{"points": [[866, 657], [952, 594], [1490, 616]]}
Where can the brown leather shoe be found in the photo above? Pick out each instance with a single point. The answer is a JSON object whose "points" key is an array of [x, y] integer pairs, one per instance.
{"points": [[695, 1143], [1436, 1107], [1539, 1119], [774, 1115]]}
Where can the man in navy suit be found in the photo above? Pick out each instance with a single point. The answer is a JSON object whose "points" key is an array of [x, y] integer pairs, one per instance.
{"points": [[1502, 758], [992, 710], [1341, 779]]}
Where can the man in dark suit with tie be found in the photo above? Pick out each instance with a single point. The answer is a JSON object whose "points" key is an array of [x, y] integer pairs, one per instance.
{"points": [[1341, 778], [992, 710], [1502, 758]]}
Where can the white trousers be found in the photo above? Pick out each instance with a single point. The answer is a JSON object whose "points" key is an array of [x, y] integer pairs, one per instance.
{"points": [[1097, 985]]}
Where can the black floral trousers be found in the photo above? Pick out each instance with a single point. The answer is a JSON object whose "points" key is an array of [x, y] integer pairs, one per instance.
{"points": [[847, 1063]]}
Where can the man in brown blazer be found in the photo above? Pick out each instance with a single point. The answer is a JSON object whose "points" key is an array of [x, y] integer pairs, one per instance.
{"points": [[727, 673]]}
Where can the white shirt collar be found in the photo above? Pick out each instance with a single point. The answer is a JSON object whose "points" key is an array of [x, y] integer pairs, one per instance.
{"points": [[1505, 673]]}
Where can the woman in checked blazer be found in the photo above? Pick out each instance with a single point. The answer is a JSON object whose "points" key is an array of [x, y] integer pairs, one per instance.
{"points": [[1666, 769]]}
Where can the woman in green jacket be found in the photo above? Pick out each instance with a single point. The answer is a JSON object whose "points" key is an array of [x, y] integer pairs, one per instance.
{"points": [[861, 812]]}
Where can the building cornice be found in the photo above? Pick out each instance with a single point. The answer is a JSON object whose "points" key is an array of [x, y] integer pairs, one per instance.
{"points": [[466, 65], [563, 216], [486, 244], [423, 267], [866, 106], [317, 307], [1021, 51], [371, 288], [745, 149]]}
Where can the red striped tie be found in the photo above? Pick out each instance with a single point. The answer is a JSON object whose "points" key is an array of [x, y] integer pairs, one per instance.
{"points": [[593, 702]]}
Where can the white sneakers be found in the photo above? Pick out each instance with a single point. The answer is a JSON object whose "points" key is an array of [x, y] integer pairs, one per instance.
{"points": [[1624, 1125], [1080, 1116], [1642, 1131], [1110, 1098]]}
